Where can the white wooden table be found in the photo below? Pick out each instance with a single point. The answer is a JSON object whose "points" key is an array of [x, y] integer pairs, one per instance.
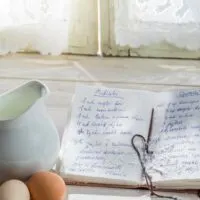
{"points": [[61, 74]]}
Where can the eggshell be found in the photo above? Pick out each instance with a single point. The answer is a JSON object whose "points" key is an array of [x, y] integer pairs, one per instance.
{"points": [[14, 190], [46, 186]]}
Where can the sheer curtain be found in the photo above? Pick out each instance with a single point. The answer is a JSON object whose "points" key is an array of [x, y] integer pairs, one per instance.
{"points": [[38, 25], [145, 22]]}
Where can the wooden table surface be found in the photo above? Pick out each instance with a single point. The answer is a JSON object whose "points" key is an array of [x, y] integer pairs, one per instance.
{"points": [[61, 74]]}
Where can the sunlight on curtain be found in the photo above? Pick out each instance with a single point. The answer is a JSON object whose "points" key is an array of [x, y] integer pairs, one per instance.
{"points": [[145, 22], [39, 25]]}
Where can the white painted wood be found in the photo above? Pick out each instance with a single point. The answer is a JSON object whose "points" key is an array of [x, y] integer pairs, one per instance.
{"points": [[83, 28], [63, 73], [95, 69], [110, 48]]}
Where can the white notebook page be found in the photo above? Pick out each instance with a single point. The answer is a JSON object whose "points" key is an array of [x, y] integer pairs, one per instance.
{"points": [[176, 137], [98, 142]]}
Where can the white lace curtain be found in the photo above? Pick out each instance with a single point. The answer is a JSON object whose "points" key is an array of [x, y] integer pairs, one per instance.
{"points": [[145, 22], [39, 25], [43, 25]]}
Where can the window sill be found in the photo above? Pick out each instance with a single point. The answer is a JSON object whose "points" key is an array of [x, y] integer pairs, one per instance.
{"points": [[102, 70], [61, 74]]}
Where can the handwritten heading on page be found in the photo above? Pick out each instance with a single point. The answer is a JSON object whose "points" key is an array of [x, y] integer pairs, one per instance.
{"points": [[103, 123]]}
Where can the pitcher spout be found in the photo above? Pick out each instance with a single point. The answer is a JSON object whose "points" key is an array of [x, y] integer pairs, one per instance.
{"points": [[17, 101], [37, 87]]}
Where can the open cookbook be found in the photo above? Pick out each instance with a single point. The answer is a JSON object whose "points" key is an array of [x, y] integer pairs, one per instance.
{"points": [[97, 149], [95, 193]]}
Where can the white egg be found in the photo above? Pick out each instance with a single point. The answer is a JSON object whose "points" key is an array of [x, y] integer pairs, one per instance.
{"points": [[14, 190]]}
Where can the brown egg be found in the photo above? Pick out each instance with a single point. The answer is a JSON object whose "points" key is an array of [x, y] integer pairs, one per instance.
{"points": [[46, 186], [14, 190]]}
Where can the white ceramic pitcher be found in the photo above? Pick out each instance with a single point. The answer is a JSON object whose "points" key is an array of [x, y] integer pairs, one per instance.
{"points": [[29, 141]]}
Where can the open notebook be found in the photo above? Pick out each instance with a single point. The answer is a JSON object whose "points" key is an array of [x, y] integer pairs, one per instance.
{"points": [[97, 148], [87, 193]]}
